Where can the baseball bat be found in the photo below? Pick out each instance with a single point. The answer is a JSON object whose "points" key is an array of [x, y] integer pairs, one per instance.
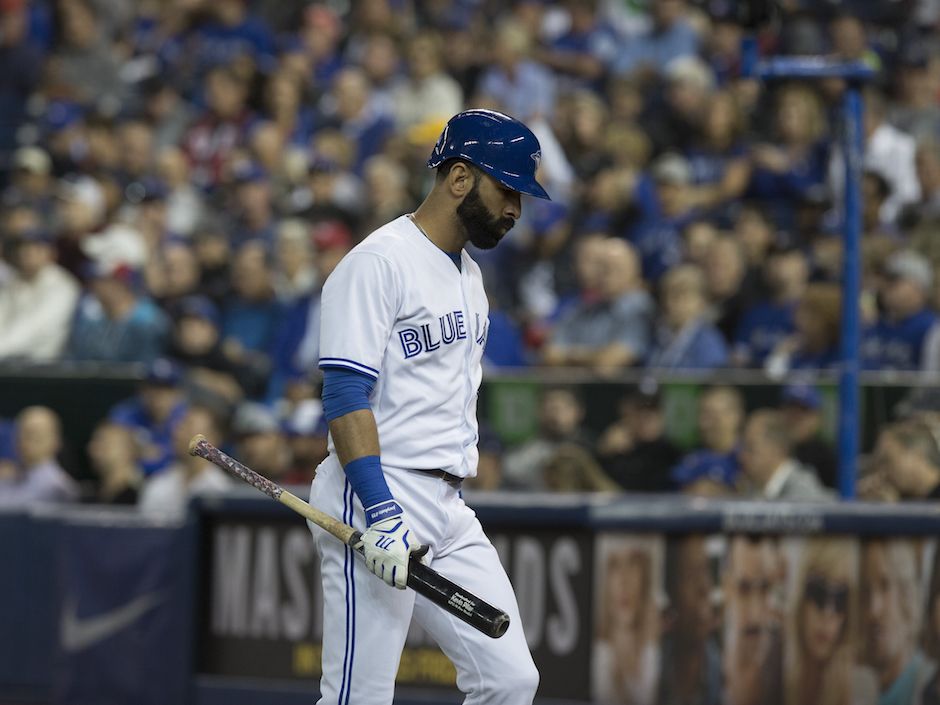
{"points": [[422, 579]]}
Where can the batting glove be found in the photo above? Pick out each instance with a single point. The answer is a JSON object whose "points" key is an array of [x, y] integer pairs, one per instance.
{"points": [[388, 543]]}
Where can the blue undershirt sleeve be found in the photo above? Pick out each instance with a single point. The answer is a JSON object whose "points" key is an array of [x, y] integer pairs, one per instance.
{"points": [[345, 391]]}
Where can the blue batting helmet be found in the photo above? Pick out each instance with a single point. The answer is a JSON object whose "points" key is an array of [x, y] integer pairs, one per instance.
{"points": [[499, 145]]}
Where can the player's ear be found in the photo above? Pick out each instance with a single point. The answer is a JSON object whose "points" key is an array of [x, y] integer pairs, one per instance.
{"points": [[461, 179]]}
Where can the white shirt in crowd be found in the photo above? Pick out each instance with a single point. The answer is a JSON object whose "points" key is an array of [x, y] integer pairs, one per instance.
{"points": [[168, 492], [36, 315]]}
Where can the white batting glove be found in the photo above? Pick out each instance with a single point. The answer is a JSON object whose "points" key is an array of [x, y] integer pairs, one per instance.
{"points": [[387, 546]]}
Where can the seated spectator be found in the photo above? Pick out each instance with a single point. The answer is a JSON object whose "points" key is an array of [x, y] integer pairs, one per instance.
{"points": [[115, 323], [38, 299], [905, 463], [294, 273], [259, 440], [152, 414], [664, 204], [612, 331], [252, 314], [769, 468], [252, 207], [115, 460], [905, 337], [360, 121], [521, 87], [769, 322], [561, 413], [634, 450], [673, 122], [167, 493], [428, 91], [686, 339], [713, 468], [196, 343], [731, 286], [306, 431], [815, 343], [172, 273], [37, 475], [800, 405], [582, 53], [793, 166], [572, 468], [913, 110], [670, 36]]}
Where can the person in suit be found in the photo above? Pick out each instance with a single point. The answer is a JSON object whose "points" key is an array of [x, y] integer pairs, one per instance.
{"points": [[769, 467]]}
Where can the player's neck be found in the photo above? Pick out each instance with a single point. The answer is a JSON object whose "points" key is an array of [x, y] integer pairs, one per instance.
{"points": [[440, 227]]}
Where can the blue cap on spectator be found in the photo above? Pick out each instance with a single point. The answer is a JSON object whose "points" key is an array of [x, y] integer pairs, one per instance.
{"points": [[60, 115], [248, 173], [163, 373], [805, 395], [198, 307], [705, 464]]}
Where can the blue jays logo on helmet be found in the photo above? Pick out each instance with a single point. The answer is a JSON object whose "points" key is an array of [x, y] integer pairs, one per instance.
{"points": [[499, 145]]}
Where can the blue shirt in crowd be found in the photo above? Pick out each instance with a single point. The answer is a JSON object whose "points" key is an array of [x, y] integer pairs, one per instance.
{"points": [[761, 328], [156, 439], [897, 345]]}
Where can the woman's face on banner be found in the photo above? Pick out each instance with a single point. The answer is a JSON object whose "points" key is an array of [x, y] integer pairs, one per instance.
{"points": [[625, 586], [825, 606]]}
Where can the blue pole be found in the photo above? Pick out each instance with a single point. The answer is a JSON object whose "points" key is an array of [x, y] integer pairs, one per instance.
{"points": [[853, 149]]}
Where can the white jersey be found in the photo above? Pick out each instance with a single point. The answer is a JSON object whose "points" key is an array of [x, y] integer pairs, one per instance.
{"points": [[398, 309]]}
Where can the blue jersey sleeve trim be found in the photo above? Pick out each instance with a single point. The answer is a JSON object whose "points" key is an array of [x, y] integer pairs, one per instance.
{"points": [[350, 364], [345, 390]]}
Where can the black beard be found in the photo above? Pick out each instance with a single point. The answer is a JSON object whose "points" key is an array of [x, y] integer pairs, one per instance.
{"points": [[482, 229]]}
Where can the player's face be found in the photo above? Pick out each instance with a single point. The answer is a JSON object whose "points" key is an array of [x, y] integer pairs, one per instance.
{"points": [[488, 212]]}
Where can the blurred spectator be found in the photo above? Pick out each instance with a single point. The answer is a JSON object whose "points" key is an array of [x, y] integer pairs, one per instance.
{"points": [[634, 450], [252, 314], [294, 272], [427, 91], [686, 339], [905, 463], [37, 302], [167, 493], [259, 441], [769, 322], [165, 110], [613, 330], [520, 86], [800, 404], [671, 36], [665, 210], [905, 337], [306, 431], [712, 469], [731, 286], [197, 343], [888, 152], [37, 476], [252, 206], [792, 167], [913, 110], [114, 323], [22, 62], [31, 178], [768, 463], [114, 458], [84, 65], [561, 414], [815, 344], [153, 413], [572, 468], [184, 202], [583, 52], [673, 122], [360, 121], [223, 127], [172, 273]]}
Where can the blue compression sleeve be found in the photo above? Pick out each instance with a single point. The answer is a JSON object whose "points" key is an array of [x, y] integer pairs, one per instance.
{"points": [[345, 391]]}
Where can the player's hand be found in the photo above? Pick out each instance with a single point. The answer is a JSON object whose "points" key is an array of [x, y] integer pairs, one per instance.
{"points": [[387, 546]]}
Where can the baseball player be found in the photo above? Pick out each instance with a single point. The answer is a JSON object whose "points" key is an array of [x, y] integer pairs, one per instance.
{"points": [[404, 323]]}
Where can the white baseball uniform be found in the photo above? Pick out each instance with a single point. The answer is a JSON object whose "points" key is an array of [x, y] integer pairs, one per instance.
{"points": [[398, 309]]}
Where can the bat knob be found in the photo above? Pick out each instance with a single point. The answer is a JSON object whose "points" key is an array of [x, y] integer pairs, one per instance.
{"points": [[499, 626], [194, 443]]}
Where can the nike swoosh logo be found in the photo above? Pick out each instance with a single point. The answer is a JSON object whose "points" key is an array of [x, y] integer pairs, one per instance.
{"points": [[78, 633]]}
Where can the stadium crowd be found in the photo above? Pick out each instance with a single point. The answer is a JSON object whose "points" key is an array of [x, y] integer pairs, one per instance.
{"points": [[178, 178]]}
